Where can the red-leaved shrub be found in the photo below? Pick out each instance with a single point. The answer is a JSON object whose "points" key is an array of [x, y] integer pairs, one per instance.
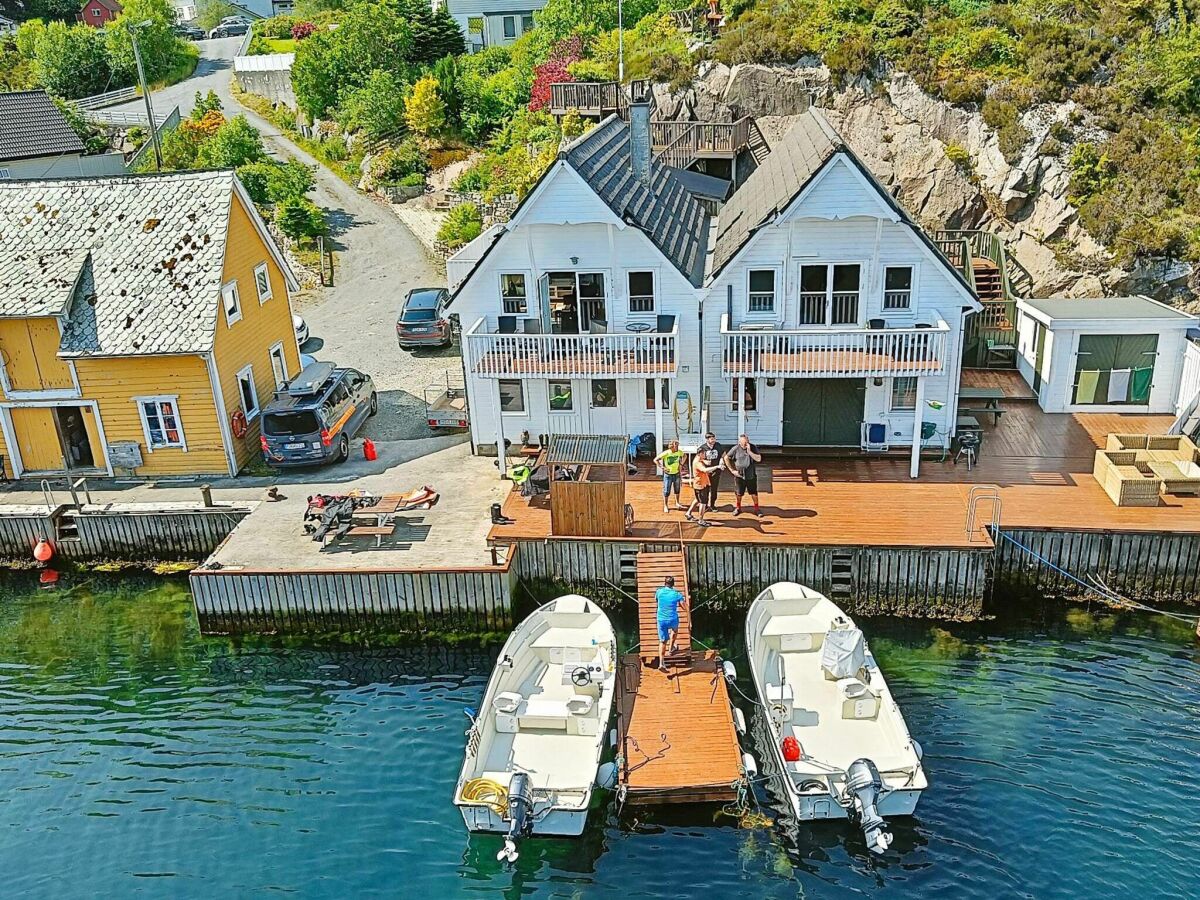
{"points": [[301, 30], [553, 70]]}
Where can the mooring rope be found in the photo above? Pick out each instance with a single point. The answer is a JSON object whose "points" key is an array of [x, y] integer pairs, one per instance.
{"points": [[1098, 587]]}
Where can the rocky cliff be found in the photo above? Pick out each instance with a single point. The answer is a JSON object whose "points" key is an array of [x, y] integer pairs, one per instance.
{"points": [[945, 165]]}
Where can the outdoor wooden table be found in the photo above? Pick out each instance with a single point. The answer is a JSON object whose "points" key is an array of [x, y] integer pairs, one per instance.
{"points": [[982, 400], [382, 511], [968, 423]]}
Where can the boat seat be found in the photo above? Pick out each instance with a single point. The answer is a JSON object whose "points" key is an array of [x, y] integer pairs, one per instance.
{"points": [[781, 695], [795, 633], [858, 700], [560, 646]]}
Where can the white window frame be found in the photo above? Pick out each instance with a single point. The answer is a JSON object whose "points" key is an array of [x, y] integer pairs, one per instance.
{"points": [[830, 265], [276, 353], [173, 399], [664, 401], [265, 271], [736, 398], [653, 292], [912, 290], [5, 173], [230, 289], [247, 374], [774, 310], [570, 410], [892, 394], [524, 410], [504, 300], [504, 20]]}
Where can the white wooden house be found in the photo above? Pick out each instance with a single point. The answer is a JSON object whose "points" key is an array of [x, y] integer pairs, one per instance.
{"points": [[491, 23], [810, 310], [580, 314]]}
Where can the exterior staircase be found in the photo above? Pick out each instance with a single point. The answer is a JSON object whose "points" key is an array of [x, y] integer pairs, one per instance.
{"points": [[652, 568], [757, 144]]}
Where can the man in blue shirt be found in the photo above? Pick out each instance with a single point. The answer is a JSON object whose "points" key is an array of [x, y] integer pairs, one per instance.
{"points": [[669, 602]]}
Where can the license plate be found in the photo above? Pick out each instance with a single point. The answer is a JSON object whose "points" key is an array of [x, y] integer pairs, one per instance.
{"points": [[421, 330], [293, 446]]}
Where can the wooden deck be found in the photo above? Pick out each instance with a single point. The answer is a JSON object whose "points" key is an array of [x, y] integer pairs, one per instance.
{"points": [[652, 568], [676, 734], [1040, 463]]}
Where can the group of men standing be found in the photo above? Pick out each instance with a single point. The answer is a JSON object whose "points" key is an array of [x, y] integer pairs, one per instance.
{"points": [[708, 462]]}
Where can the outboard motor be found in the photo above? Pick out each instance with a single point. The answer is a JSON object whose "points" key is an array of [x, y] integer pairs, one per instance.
{"points": [[864, 787], [520, 815]]}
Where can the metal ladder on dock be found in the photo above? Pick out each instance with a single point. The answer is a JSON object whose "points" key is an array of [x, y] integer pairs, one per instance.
{"points": [[65, 526], [652, 568], [979, 495]]}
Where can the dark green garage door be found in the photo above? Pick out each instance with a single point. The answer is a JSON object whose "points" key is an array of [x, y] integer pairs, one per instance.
{"points": [[823, 411]]}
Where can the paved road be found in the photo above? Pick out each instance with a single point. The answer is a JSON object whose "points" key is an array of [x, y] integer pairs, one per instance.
{"points": [[379, 261]]}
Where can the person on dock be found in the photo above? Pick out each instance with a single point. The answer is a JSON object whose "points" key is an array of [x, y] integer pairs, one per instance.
{"points": [[741, 461], [670, 461], [669, 602], [711, 452], [702, 485]]}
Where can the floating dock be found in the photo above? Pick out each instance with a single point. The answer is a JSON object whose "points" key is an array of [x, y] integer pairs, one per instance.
{"points": [[675, 730]]}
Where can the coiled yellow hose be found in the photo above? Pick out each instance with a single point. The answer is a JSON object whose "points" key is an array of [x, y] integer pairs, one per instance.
{"points": [[490, 793]]}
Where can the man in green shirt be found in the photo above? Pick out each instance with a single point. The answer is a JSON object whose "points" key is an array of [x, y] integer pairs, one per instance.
{"points": [[670, 461]]}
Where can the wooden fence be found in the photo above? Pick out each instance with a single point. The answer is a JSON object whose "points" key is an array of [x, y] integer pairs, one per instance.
{"points": [[421, 601]]}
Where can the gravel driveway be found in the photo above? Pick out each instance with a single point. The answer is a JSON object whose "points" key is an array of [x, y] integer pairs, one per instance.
{"points": [[378, 262]]}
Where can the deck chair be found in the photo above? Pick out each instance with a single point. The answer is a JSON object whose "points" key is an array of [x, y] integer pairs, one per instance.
{"points": [[1002, 352], [506, 325], [875, 437]]}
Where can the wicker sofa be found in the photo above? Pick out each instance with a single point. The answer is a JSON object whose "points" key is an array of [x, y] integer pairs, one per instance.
{"points": [[1134, 469]]}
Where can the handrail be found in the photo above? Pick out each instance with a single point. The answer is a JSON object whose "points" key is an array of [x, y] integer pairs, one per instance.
{"points": [[109, 98], [679, 143], [982, 493], [586, 95]]}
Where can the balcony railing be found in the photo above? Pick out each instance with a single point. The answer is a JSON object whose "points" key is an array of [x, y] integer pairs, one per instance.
{"points": [[590, 98], [833, 352], [817, 308], [619, 355]]}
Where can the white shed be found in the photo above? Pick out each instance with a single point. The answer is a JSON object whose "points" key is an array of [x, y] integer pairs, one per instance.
{"points": [[1112, 354]]}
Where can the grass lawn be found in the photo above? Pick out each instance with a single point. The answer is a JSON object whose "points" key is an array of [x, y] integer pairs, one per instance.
{"points": [[183, 67], [280, 45]]}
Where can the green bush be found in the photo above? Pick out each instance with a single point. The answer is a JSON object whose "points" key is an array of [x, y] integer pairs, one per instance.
{"points": [[398, 161], [1005, 117], [299, 219], [413, 179], [235, 143], [959, 155], [462, 225]]}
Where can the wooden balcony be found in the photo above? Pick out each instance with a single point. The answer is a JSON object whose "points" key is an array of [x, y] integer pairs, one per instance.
{"points": [[620, 355], [597, 99], [679, 144], [834, 352]]}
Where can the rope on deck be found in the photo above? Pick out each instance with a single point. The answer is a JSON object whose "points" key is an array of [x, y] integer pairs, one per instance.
{"points": [[1098, 587]]}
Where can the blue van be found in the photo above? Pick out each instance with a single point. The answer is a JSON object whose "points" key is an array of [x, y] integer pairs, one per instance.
{"points": [[312, 418]]}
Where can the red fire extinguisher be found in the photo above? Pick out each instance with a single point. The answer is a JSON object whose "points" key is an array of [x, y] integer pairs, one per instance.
{"points": [[369, 449], [791, 749]]}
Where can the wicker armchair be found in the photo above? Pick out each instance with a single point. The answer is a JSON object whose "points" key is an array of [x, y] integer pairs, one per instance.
{"points": [[1126, 482]]}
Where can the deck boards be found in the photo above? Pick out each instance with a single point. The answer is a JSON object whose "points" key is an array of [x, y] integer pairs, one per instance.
{"points": [[1042, 465], [652, 568], [676, 734]]}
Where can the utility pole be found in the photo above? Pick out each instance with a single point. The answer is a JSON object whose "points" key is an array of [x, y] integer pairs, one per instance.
{"points": [[141, 73], [620, 42]]}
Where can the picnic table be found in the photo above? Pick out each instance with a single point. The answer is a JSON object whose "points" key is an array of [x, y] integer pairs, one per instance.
{"points": [[968, 423], [981, 401], [381, 518]]}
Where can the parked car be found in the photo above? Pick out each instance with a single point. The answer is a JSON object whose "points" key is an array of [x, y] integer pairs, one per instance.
{"points": [[301, 327], [191, 32], [312, 418], [235, 20], [233, 29], [423, 321]]}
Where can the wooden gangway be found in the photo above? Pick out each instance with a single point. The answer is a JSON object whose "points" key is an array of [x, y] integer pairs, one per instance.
{"points": [[652, 570], [675, 730]]}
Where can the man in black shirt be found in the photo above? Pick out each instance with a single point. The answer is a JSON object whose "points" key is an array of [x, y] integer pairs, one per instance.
{"points": [[741, 460], [710, 453]]}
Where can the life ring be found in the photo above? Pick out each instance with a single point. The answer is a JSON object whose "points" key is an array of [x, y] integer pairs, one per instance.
{"points": [[239, 424]]}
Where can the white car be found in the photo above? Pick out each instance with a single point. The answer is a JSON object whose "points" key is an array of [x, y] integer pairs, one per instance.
{"points": [[301, 329]]}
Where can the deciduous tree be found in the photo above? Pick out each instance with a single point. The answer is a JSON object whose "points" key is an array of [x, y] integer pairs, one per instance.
{"points": [[423, 110]]}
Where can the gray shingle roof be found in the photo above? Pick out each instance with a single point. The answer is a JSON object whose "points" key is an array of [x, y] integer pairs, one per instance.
{"points": [[31, 125], [771, 187], [664, 210], [147, 253]]}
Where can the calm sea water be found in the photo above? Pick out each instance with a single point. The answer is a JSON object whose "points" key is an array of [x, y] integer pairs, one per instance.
{"points": [[139, 759]]}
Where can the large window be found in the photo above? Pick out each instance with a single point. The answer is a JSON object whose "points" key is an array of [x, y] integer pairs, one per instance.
{"points": [[604, 393], [513, 293], [1114, 369], [560, 396], [249, 392], [512, 397], [641, 292], [160, 422], [762, 291], [904, 393], [232, 302], [510, 27], [897, 287], [749, 395], [664, 399], [829, 294]]}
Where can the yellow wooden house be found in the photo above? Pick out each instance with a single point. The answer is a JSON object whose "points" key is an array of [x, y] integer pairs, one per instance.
{"points": [[144, 323]]}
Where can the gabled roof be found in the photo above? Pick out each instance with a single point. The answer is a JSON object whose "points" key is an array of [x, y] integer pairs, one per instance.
{"points": [[143, 256], [112, 6], [665, 210], [31, 125], [793, 163]]}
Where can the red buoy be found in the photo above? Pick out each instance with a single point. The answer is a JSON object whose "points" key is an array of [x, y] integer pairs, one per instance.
{"points": [[48, 578], [791, 749], [43, 551], [369, 449]]}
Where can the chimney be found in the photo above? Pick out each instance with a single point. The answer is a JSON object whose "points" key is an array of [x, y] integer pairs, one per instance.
{"points": [[639, 134]]}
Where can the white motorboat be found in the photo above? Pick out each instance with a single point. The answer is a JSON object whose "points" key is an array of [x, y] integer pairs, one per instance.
{"points": [[837, 735], [534, 748]]}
